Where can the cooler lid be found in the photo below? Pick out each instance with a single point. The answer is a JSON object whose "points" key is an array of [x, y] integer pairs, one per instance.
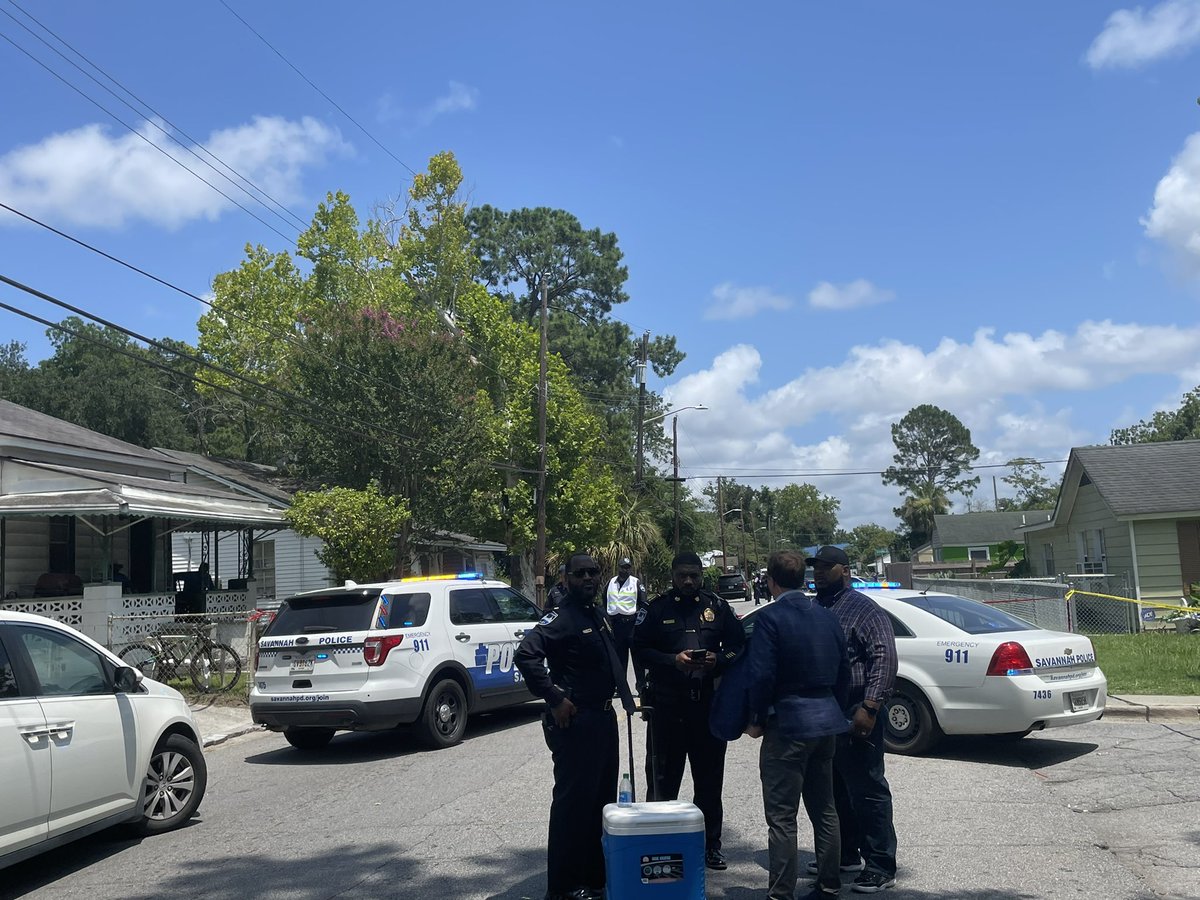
{"points": [[662, 817]]}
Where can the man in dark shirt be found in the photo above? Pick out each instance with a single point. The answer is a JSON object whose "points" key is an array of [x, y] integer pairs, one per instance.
{"points": [[580, 728], [559, 590], [864, 798], [798, 680], [682, 640]]}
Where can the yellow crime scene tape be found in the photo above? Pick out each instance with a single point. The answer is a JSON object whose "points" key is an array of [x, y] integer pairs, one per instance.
{"points": [[1154, 603]]}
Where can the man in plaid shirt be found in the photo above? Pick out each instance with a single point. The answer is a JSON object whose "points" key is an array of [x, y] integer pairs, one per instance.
{"points": [[864, 799]]}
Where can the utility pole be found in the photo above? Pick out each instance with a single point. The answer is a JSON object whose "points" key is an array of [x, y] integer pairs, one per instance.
{"points": [[721, 518], [674, 479], [641, 375], [745, 565], [539, 557]]}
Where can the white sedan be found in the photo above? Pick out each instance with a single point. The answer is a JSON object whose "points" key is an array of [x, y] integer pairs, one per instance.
{"points": [[86, 742], [969, 668]]}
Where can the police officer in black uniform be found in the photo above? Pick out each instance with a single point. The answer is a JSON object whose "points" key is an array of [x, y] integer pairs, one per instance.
{"points": [[684, 639], [580, 728]]}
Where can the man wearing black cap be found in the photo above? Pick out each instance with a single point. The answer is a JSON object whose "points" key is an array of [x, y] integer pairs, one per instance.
{"points": [[558, 592], [623, 597], [864, 798], [798, 679], [684, 639]]}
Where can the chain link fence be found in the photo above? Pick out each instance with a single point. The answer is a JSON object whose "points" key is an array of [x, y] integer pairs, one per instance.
{"points": [[203, 653], [1068, 603]]}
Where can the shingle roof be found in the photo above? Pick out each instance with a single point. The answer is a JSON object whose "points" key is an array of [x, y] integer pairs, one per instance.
{"points": [[22, 423], [255, 476], [982, 528], [1143, 479]]}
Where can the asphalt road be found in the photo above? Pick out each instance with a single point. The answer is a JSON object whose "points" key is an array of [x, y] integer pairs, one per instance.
{"points": [[1106, 810]]}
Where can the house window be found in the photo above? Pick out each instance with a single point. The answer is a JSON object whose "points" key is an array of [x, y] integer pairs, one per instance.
{"points": [[1048, 557], [62, 545], [1091, 551], [979, 554], [264, 570]]}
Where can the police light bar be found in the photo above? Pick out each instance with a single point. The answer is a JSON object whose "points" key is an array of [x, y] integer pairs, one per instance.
{"points": [[461, 576], [881, 584]]}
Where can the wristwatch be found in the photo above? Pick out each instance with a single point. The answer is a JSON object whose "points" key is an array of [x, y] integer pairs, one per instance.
{"points": [[873, 710]]}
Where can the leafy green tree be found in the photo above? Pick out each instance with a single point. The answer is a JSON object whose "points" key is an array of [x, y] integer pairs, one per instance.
{"points": [[357, 527], [805, 514], [1165, 425], [866, 541], [1033, 489], [933, 450], [17, 377], [1006, 552]]}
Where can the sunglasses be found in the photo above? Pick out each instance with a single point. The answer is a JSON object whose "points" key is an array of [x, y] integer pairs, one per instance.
{"points": [[584, 573]]}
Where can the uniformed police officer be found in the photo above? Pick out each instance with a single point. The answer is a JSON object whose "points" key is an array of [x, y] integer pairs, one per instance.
{"points": [[580, 728], [684, 639]]}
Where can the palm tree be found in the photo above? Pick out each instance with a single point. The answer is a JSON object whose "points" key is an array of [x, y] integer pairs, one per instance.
{"points": [[918, 511], [638, 536]]}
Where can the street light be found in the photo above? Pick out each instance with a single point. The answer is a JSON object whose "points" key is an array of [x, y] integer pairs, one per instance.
{"points": [[674, 458]]}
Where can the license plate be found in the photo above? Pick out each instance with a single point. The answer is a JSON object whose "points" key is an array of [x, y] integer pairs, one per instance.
{"points": [[1079, 701], [302, 665]]}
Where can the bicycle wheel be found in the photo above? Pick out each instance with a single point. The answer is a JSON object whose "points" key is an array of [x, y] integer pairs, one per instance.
{"points": [[216, 669], [143, 658]]}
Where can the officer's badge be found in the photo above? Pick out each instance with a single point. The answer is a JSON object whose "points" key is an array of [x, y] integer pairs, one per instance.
{"points": [[548, 618], [641, 617], [708, 615], [587, 631]]}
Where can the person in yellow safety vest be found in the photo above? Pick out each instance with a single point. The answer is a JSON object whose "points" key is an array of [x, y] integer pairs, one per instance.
{"points": [[623, 598]]}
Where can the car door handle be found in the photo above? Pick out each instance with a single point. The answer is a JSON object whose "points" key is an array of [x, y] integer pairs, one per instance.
{"points": [[61, 731], [34, 734], [519, 632], [462, 637]]}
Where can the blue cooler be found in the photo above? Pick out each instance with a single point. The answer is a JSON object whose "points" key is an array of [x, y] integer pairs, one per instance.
{"points": [[654, 851]]}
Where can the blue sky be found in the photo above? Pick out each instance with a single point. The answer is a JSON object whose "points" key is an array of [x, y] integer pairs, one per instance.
{"points": [[840, 210]]}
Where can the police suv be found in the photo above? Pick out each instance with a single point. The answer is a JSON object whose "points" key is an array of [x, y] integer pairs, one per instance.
{"points": [[418, 651]]}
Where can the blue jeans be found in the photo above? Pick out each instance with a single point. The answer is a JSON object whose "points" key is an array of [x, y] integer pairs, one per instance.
{"points": [[864, 801]]}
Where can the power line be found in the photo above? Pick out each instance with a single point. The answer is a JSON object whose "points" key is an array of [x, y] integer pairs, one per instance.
{"points": [[281, 211], [822, 473], [310, 83], [147, 140]]}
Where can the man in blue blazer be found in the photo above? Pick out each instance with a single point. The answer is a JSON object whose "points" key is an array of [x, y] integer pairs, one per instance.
{"points": [[798, 680]]}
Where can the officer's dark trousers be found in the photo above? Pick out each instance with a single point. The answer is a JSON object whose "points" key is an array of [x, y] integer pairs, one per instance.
{"points": [[864, 801], [679, 731], [585, 778], [622, 627]]}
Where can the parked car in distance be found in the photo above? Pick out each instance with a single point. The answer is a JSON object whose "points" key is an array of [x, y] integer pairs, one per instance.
{"points": [[733, 587], [969, 668], [86, 742], [424, 651]]}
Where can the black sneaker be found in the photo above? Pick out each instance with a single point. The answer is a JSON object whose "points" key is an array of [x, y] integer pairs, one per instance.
{"points": [[873, 882], [715, 859], [819, 894], [845, 867]]}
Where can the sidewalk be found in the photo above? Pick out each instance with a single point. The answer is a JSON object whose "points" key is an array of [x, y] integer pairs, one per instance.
{"points": [[220, 723]]}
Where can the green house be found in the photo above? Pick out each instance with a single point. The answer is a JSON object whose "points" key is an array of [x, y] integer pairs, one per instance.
{"points": [[976, 537]]}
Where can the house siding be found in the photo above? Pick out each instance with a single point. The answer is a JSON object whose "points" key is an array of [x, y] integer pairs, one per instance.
{"points": [[1158, 560], [1091, 514], [27, 553], [296, 565]]}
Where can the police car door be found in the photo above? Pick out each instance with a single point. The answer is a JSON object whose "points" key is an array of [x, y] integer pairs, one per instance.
{"points": [[482, 641], [520, 615]]}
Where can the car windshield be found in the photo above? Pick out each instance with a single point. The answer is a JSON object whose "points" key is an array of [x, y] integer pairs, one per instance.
{"points": [[970, 616], [325, 612]]}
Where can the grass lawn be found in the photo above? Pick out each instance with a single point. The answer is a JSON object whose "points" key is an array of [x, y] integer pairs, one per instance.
{"points": [[1150, 663]]}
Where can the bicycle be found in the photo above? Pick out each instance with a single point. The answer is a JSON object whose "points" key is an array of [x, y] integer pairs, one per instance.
{"points": [[213, 667]]}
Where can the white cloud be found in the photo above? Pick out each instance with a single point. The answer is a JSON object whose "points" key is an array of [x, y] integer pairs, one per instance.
{"points": [[1132, 37], [1175, 217], [732, 302], [89, 177], [459, 97], [840, 416], [847, 296]]}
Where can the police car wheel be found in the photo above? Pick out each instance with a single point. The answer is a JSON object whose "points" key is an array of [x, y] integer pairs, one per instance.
{"points": [[308, 738], [909, 726], [444, 718]]}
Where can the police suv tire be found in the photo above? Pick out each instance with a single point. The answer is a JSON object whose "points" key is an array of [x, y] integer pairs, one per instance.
{"points": [[172, 786], [308, 738], [444, 717], [909, 726]]}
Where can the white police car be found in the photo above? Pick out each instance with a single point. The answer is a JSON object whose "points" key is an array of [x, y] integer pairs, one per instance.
{"points": [[969, 668], [423, 651]]}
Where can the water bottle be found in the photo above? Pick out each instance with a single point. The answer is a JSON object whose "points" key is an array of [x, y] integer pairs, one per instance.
{"points": [[625, 794]]}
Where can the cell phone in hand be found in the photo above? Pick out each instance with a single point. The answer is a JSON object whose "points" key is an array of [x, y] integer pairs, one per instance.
{"points": [[697, 655]]}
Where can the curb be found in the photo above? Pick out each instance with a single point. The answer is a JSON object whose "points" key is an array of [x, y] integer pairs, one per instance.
{"points": [[213, 739], [1126, 709]]}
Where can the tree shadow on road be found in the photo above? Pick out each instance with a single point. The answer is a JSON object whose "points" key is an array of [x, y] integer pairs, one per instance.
{"points": [[1028, 753], [357, 747]]}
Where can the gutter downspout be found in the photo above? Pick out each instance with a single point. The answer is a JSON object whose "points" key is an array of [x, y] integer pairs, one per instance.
{"points": [[1137, 578]]}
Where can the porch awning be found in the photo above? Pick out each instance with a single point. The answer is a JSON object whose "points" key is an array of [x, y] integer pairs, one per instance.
{"points": [[48, 490]]}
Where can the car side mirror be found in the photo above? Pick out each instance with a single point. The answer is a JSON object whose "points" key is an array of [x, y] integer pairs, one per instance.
{"points": [[126, 680]]}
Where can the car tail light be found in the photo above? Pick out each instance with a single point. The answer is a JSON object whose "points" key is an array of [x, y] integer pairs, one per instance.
{"points": [[1010, 658], [376, 649]]}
